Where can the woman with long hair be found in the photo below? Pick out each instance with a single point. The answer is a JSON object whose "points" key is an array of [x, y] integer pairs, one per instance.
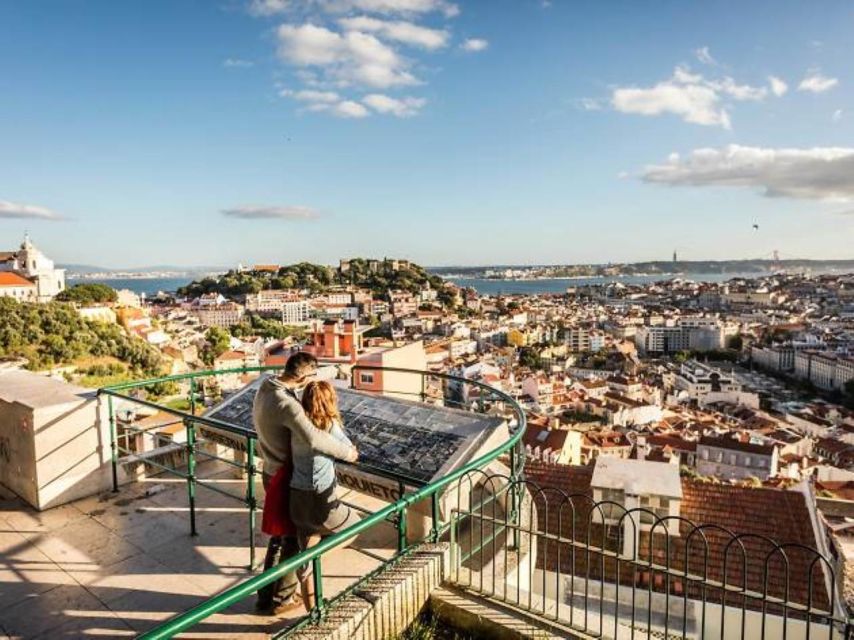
{"points": [[315, 508]]}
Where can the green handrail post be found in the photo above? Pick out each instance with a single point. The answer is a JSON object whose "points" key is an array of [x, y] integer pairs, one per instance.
{"points": [[319, 610], [434, 504], [401, 530], [514, 506], [250, 496], [114, 454], [193, 396], [423, 388], [191, 473]]}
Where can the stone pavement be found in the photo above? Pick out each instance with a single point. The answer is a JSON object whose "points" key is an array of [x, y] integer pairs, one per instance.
{"points": [[115, 565]]}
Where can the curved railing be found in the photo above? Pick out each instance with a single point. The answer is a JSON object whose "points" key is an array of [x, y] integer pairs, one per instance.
{"points": [[396, 511]]}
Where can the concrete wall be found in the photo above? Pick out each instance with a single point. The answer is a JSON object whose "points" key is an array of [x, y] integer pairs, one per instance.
{"points": [[50, 455], [17, 451]]}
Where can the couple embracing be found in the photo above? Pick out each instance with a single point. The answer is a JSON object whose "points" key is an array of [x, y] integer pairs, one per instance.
{"points": [[299, 436]]}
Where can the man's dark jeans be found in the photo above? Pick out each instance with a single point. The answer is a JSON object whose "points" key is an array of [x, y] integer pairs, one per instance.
{"points": [[279, 549]]}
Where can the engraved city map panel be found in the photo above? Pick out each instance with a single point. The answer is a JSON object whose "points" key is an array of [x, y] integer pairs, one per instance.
{"points": [[398, 437]]}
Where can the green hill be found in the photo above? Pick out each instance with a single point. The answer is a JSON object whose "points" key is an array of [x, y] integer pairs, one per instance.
{"points": [[378, 276]]}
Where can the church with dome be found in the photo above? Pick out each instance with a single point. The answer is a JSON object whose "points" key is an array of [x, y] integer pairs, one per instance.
{"points": [[28, 274]]}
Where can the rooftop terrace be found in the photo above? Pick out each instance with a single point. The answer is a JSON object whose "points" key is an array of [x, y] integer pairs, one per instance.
{"points": [[118, 564]]}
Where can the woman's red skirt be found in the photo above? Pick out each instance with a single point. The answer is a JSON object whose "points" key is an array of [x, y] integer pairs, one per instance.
{"points": [[277, 519]]}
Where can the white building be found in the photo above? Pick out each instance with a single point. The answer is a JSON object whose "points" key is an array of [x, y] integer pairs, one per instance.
{"points": [[824, 369], [654, 487], [730, 459], [696, 333], [223, 315], [14, 286], [270, 301], [700, 380], [296, 312], [31, 264]]}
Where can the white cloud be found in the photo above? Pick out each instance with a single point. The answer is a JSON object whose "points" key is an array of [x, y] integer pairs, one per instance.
{"points": [[688, 95], [268, 7], [260, 212], [400, 31], [28, 211], [814, 82], [704, 56], [778, 86], [474, 44], [692, 102], [339, 52], [837, 115], [349, 109], [738, 91], [391, 7], [310, 95], [351, 58], [237, 63], [820, 173], [402, 108]]}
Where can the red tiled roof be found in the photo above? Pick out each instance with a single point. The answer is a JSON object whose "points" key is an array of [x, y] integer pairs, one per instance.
{"points": [[757, 514], [9, 279]]}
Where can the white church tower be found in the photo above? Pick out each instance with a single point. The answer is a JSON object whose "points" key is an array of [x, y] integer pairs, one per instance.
{"points": [[35, 266]]}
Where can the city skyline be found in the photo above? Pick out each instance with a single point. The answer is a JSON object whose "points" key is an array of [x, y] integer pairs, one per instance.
{"points": [[449, 133]]}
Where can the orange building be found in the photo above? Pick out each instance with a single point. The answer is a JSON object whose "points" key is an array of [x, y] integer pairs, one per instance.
{"points": [[337, 341], [392, 383]]}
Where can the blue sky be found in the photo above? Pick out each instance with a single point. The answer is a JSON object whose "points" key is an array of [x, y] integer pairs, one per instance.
{"points": [[468, 132]]}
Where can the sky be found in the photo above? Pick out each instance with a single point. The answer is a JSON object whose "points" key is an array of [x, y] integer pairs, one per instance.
{"points": [[448, 132]]}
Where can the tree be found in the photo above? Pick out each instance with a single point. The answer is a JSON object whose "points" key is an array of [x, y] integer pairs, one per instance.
{"points": [[88, 293], [530, 358], [217, 342]]}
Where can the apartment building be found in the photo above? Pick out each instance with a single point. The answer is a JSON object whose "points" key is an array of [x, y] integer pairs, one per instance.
{"points": [[824, 369], [221, 315], [402, 303], [694, 333], [296, 312], [270, 302], [729, 459]]}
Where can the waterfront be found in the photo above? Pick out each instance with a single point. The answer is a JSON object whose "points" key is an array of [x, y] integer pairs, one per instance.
{"points": [[148, 286], [484, 286], [488, 287]]}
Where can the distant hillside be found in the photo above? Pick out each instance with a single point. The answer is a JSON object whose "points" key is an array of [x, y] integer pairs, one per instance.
{"points": [[659, 266], [88, 268]]}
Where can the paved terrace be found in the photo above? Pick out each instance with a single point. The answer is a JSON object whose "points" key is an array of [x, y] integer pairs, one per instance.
{"points": [[118, 564]]}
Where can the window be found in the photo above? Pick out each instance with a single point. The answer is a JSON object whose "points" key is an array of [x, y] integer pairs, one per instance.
{"points": [[366, 378], [747, 461]]}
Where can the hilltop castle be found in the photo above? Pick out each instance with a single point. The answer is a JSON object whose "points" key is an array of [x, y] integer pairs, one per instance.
{"points": [[28, 274]]}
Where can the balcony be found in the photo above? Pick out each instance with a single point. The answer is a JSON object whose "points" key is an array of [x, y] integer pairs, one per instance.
{"points": [[174, 548]]}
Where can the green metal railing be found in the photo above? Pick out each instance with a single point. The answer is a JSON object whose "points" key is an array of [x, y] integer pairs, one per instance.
{"points": [[191, 448], [411, 492]]}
